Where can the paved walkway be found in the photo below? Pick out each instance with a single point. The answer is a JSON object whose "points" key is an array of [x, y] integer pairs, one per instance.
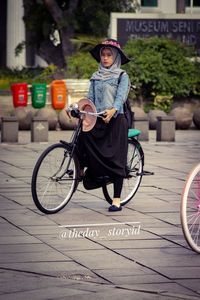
{"points": [[40, 260]]}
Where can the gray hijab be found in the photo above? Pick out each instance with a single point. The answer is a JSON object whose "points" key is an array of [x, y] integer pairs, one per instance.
{"points": [[112, 72]]}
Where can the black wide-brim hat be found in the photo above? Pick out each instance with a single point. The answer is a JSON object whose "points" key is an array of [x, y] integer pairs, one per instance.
{"points": [[95, 52]]}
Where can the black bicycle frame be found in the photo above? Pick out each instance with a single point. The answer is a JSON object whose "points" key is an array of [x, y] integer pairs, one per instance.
{"points": [[72, 145]]}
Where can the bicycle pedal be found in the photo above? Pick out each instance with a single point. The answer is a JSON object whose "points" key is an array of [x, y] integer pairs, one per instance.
{"points": [[145, 173]]}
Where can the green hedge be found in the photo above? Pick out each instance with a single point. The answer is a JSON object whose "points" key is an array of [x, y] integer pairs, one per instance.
{"points": [[28, 75], [160, 66], [81, 65]]}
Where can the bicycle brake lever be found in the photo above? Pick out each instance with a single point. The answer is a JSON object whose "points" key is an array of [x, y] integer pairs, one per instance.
{"points": [[101, 114]]}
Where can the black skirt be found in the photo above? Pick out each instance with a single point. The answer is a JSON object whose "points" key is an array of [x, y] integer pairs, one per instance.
{"points": [[103, 150]]}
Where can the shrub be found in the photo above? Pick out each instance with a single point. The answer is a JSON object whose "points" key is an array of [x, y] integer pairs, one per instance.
{"points": [[29, 75], [161, 102], [160, 66], [81, 65]]}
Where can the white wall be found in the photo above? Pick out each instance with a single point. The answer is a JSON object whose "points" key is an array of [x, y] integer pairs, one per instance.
{"points": [[15, 33], [167, 7]]}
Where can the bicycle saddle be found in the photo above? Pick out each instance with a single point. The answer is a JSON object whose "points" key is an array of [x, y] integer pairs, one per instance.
{"points": [[133, 132]]}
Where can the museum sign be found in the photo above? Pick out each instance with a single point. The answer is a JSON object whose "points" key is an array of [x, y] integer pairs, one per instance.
{"points": [[184, 30]]}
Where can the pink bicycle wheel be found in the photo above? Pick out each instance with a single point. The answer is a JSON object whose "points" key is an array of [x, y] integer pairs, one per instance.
{"points": [[190, 209]]}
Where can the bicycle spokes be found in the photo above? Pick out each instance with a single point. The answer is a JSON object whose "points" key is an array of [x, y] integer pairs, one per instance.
{"points": [[190, 209], [54, 178]]}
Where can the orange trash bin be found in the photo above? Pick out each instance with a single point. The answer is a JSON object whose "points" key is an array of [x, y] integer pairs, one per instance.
{"points": [[20, 94], [58, 94]]}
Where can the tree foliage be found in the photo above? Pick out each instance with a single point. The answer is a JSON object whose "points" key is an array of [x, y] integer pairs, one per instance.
{"points": [[81, 66], [160, 66], [93, 17], [52, 24]]}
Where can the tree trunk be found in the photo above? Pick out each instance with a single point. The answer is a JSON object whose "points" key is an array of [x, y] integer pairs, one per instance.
{"points": [[180, 6], [50, 53], [65, 23]]}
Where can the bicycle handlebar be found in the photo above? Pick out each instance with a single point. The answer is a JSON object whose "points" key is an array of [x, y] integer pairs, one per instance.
{"points": [[75, 112]]}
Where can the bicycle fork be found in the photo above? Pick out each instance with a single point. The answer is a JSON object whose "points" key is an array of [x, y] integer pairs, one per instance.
{"points": [[71, 148]]}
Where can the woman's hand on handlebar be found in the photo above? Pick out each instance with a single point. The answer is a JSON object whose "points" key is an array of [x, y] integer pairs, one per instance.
{"points": [[109, 113]]}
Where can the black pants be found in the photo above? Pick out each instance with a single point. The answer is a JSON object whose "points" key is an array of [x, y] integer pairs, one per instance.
{"points": [[118, 183]]}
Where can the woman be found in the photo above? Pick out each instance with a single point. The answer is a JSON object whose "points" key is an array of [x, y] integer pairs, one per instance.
{"points": [[106, 144]]}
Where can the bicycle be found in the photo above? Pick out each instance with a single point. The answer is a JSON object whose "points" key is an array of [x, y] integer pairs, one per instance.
{"points": [[190, 209], [56, 174]]}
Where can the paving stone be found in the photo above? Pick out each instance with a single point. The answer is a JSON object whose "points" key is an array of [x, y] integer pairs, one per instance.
{"points": [[168, 257], [135, 269], [42, 229], [172, 218], [24, 248], [66, 243], [21, 282], [163, 288], [126, 293], [44, 293], [7, 229], [180, 272], [192, 284], [138, 279], [50, 255], [157, 263], [53, 268], [99, 258], [137, 244], [22, 239], [5, 204], [28, 218]]}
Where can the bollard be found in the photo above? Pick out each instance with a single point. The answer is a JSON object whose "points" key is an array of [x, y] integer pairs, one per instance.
{"points": [[39, 130], [142, 124], [165, 129], [9, 130]]}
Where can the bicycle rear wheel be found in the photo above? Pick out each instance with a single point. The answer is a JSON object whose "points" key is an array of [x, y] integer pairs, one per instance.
{"points": [[190, 209], [135, 163], [54, 179]]}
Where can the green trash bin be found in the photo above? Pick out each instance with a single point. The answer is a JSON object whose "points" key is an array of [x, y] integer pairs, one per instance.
{"points": [[38, 94]]}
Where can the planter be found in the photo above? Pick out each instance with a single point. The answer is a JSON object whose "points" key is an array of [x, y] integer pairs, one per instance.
{"points": [[65, 122], [183, 117], [153, 114], [50, 115], [24, 117], [196, 118]]}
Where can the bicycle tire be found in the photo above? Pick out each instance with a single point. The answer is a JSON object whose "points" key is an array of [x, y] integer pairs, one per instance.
{"points": [[135, 164], [50, 192], [190, 209]]}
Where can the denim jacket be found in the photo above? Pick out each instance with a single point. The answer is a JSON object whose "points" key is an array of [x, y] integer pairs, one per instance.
{"points": [[106, 94]]}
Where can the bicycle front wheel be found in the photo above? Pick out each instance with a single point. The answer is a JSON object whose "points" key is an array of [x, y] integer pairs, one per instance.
{"points": [[135, 163], [54, 179], [190, 209]]}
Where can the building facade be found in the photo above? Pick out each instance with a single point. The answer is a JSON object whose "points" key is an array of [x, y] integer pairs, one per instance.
{"points": [[168, 6]]}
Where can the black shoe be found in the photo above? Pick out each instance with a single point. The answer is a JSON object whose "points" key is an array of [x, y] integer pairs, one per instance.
{"points": [[115, 208]]}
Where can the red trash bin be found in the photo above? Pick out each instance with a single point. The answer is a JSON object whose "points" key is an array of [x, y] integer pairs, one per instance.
{"points": [[20, 94]]}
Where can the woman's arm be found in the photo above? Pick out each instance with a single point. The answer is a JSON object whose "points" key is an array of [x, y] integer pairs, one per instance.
{"points": [[91, 91], [122, 91], [121, 96]]}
